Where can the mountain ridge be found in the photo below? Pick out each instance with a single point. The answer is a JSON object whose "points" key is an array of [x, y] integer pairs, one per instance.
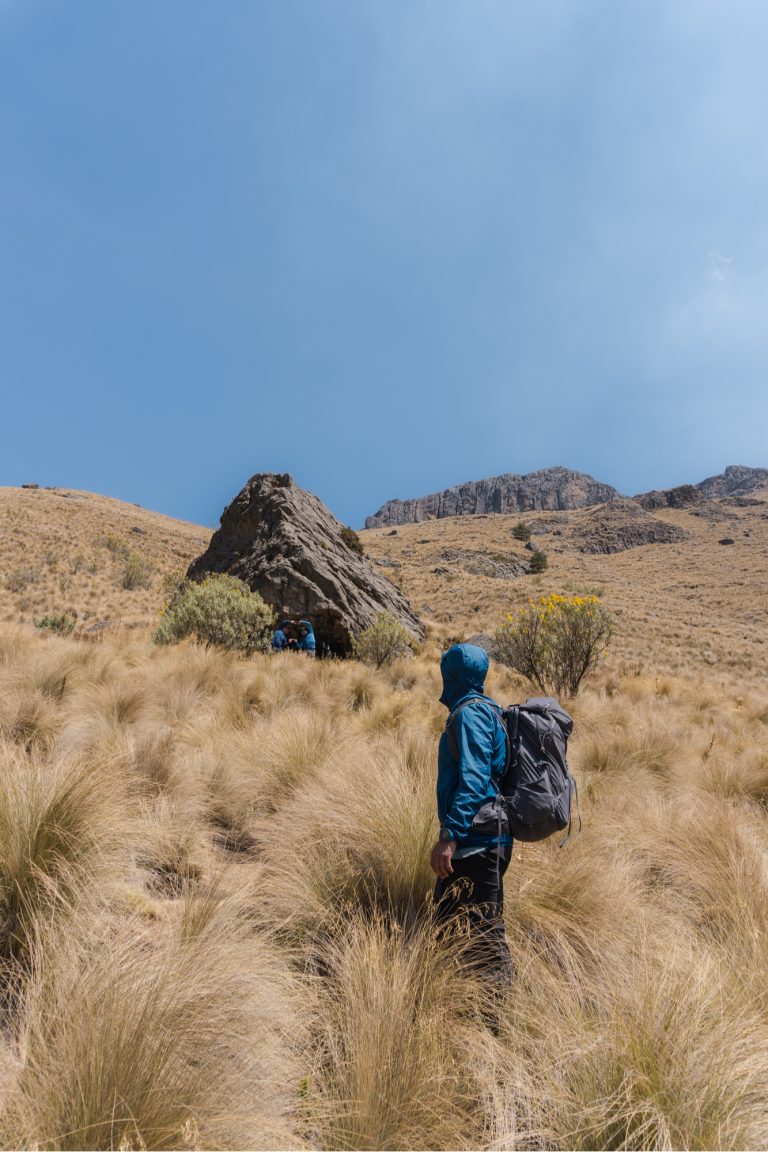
{"points": [[548, 489], [557, 489]]}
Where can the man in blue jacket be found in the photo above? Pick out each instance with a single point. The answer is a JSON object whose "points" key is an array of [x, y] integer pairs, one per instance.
{"points": [[475, 847], [306, 637], [279, 637]]}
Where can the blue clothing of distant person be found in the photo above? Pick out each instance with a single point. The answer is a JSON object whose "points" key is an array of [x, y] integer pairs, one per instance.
{"points": [[307, 641], [475, 846], [279, 640]]}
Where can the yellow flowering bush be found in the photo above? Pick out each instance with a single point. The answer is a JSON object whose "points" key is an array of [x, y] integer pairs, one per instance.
{"points": [[555, 641]]}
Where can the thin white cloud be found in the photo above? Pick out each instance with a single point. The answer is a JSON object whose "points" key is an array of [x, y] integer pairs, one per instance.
{"points": [[719, 267]]}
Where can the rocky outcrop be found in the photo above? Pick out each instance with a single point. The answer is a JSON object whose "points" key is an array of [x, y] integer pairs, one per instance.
{"points": [[620, 525], [735, 481], [285, 544], [498, 566], [547, 490], [735, 484], [684, 496]]}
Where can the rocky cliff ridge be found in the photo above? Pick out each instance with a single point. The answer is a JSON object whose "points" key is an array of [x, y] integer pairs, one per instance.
{"points": [[549, 489], [561, 489], [735, 481]]}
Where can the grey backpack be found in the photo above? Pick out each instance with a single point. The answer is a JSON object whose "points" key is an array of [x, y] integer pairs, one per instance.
{"points": [[536, 789]]}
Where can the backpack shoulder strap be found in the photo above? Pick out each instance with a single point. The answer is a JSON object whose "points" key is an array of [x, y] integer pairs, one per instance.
{"points": [[453, 745], [512, 722]]}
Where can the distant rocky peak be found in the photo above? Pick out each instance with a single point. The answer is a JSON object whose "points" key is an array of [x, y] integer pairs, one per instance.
{"points": [[736, 480], [549, 489]]}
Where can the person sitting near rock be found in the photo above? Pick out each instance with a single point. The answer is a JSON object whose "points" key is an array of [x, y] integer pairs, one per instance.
{"points": [[292, 630], [306, 641], [279, 637]]}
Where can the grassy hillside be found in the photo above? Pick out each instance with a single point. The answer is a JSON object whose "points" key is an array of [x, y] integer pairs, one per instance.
{"points": [[214, 881], [692, 605], [74, 552]]}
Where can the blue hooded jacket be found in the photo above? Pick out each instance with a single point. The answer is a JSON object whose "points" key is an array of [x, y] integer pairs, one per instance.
{"points": [[463, 786], [307, 643]]}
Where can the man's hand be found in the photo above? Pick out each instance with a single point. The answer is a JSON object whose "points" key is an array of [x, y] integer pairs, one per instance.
{"points": [[440, 860]]}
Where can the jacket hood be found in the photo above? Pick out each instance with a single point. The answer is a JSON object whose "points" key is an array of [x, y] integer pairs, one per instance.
{"points": [[306, 624], [464, 669]]}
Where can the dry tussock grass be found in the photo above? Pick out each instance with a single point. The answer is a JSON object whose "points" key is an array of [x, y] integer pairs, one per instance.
{"points": [[693, 608], [65, 552], [215, 927]]}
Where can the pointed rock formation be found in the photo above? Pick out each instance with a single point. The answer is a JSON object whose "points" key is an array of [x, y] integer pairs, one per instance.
{"points": [[285, 544], [547, 490]]}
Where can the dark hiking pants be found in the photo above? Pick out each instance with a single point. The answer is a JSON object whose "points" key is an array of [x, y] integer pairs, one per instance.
{"points": [[471, 899]]}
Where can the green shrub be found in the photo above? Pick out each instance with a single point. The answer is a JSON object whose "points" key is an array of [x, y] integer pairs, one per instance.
{"points": [[220, 612], [116, 546], [61, 623], [384, 642], [136, 572], [538, 562], [555, 641], [352, 541], [521, 531]]}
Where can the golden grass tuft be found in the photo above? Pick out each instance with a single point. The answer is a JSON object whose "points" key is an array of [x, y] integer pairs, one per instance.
{"points": [[62, 828], [397, 1042], [145, 1039]]}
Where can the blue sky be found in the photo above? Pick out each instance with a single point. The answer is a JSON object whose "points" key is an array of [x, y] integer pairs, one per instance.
{"points": [[386, 246]]}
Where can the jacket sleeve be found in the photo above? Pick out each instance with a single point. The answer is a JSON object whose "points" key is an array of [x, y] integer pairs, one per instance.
{"points": [[474, 731]]}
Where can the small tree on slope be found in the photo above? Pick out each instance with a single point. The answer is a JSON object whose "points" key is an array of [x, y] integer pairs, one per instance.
{"points": [[384, 642], [555, 641]]}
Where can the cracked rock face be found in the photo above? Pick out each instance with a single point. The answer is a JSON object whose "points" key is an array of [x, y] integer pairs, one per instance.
{"points": [[620, 525], [548, 489], [735, 481], [285, 544], [684, 496]]}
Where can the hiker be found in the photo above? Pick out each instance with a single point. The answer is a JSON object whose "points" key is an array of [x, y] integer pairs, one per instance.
{"points": [[285, 637], [279, 638], [306, 641], [475, 846]]}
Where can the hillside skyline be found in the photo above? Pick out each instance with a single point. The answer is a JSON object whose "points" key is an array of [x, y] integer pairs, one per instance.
{"points": [[600, 481], [383, 247]]}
